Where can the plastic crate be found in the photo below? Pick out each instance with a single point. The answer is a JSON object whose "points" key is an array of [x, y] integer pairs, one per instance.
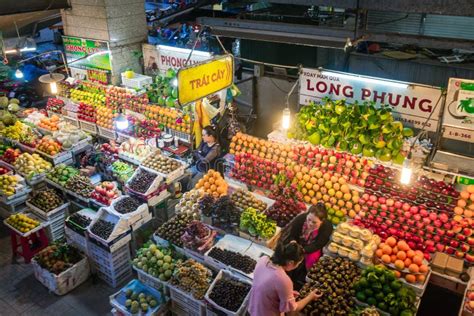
{"points": [[51, 215], [64, 157], [185, 304], [137, 82], [41, 225], [71, 120], [155, 185], [106, 133], [77, 240], [227, 275], [121, 230], [88, 127]]}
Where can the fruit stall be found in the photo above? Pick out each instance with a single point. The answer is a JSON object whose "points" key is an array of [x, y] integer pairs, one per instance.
{"points": [[95, 177]]}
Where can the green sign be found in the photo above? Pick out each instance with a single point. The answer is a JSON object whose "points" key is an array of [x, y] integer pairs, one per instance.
{"points": [[87, 53]]}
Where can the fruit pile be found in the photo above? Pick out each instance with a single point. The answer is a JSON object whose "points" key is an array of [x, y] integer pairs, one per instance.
{"points": [[86, 112], [255, 171], [257, 224], [142, 181], [353, 168], [22, 222], [143, 128], [260, 148], [234, 259], [229, 293], [8, 184], [31, 165], [287, 204], [188, 204], [62, 173], [122, 170], [428, 230], [174, 228], [135, 149], [192, 277], [139, 301], [117, 96], [58, 258], [361, 129], [378, 287], [335, 279], [105, 192], [102, 228], [212, 183], [169, 117], [405, 262], [80, 185], [465, 204], [49, 123], [354, 243], [222, 211], [469, 299], [80, 220], [10, 155], [49, 146], [127, 205], [161, 163], [244, 199], [54, 105], [156, 261], [3, 148], [92, 98], [198, 237], [105, 117], [47, 200]]}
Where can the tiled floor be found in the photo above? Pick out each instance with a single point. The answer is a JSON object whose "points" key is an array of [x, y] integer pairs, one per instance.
{"points": [[21, 294]]}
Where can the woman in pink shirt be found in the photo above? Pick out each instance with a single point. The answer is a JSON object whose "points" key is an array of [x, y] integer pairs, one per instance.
{"points": [[272, 290]]}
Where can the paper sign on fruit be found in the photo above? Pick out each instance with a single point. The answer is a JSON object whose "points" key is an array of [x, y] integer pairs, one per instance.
{"points": [[201, 80]]}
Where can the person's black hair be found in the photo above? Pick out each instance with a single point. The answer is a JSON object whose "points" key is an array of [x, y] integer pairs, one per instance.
{"points": [[284, 253], [211, 130], [319, 210]]}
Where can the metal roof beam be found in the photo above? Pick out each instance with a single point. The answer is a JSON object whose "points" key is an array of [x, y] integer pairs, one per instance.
{"points": [[8, 7]]}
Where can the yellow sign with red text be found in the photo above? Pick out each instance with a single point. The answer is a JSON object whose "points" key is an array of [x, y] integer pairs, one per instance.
{"points": [[203, 79]]}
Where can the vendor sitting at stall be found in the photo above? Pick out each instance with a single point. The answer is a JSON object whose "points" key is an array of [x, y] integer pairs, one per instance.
{"points": [[272, 290], [205, 155], [312, 230]]}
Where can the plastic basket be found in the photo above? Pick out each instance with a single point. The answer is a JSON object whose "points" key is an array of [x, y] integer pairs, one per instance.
{"points": [[88, 127], [72, 120], [41, 225], [51, 215], [151, 281], [227, 275], [67, 280], [106, 133], [137, 82], [118, 299], [185, 304]]}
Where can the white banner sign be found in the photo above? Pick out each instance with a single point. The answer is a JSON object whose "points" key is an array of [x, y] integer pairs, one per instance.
{"points": [[174, 57], [458, 117], [411, 104]]}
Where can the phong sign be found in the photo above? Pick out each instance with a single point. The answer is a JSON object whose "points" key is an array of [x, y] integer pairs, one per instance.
{"points": [[203, 79], [175, 57], [411, 104]]}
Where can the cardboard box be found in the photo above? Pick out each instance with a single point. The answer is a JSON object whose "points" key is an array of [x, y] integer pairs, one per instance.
{"points": [[454, 267], [440, 261]]}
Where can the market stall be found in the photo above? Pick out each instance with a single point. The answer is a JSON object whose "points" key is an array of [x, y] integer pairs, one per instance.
{"points": [[103, 162]]}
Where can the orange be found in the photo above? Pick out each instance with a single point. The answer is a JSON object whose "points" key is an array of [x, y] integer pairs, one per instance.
{"points": [[410, 254], [387, 250], [410, 278], [391, 241], [386, 259], [397, 273], [407, 262], [423, 268], [379, 253], [399, 264], [417, 260], [419, 253], [413, 268], [401, 255], [420, 278], [402, 245]]}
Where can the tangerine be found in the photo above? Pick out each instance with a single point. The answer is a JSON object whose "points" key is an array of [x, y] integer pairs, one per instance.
{"points": [[402, 255], [413, 268], [387, 249], [410, 278], [417, 260], [386, 258], [399, 264], [391, 241]]}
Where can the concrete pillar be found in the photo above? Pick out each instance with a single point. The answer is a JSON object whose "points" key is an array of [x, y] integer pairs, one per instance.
{"points": [[120, 22]]}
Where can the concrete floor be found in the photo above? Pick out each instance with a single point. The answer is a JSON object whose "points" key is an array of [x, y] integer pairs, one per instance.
{"points": [[21, 294]]}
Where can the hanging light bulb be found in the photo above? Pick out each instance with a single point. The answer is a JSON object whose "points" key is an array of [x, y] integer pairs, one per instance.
{"points": [[18, 74], [285, 119], [54, 87], [405, 176], [121, 122]]}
